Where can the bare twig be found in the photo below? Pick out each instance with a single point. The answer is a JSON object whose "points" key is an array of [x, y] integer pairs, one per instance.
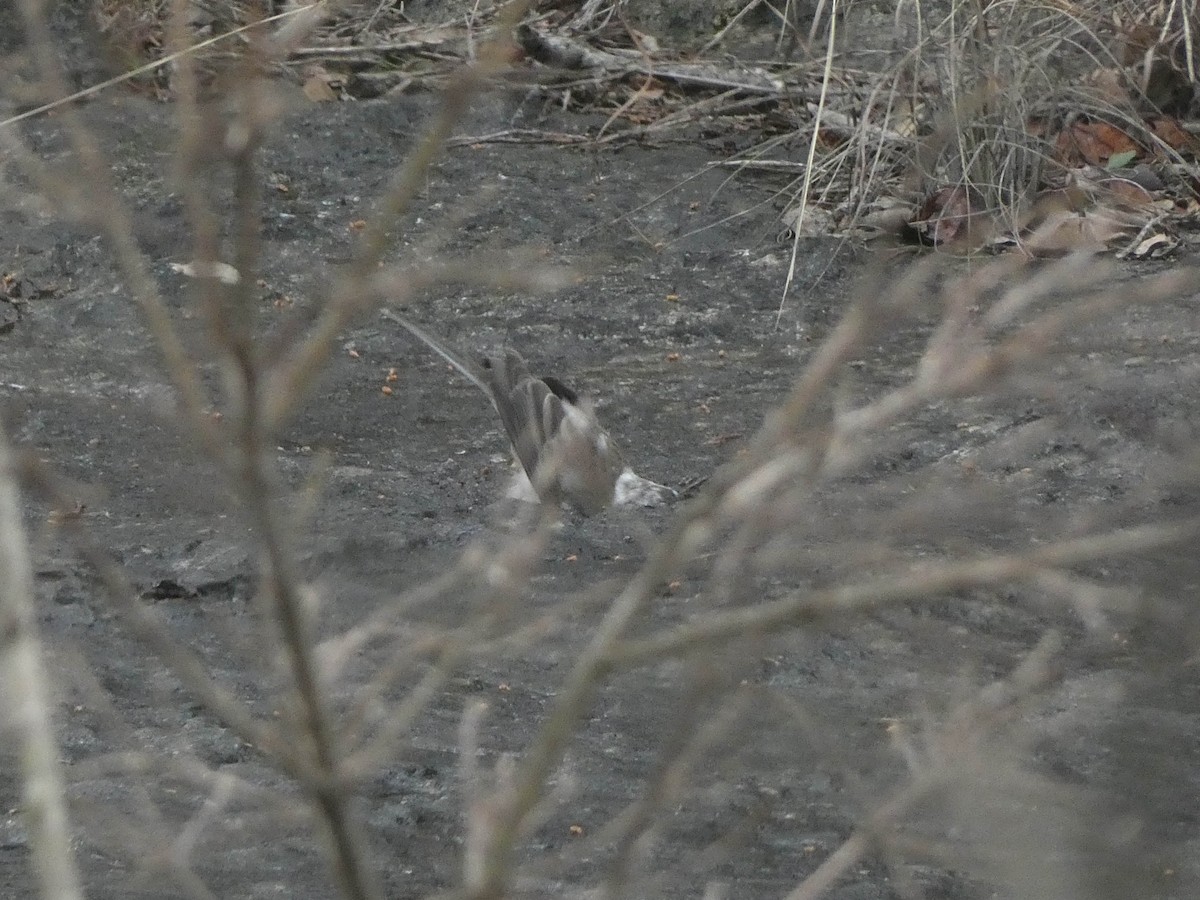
{"points": [[26, 702], [148, 624], [899, 587], [966, 725], [115, 224], [352, 295]]}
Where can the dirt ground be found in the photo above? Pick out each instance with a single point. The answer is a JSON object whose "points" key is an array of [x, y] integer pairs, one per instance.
{"points": [[673, 329]]}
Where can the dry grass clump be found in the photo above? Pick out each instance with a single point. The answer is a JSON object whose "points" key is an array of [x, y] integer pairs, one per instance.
{"points": [[775, 549], [988, 99]]}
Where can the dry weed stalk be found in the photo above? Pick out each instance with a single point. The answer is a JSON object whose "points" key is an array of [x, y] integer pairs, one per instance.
{"points": [[259, 392], [736, 523], [25, 708], [958, 750], [975, 351], [977, 105]]}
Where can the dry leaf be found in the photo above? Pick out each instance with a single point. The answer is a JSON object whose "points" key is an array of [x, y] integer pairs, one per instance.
{"points": [[317, 90], [1126, 192], [1068, 232], [1154, 247], [1168, 130], [948, 214], [1092, 143]]}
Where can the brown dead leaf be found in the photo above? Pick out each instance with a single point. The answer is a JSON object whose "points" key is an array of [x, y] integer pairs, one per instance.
{"points": [[1092, 143], [1125, 192], [1108, 86], [1168, 130], [317, 90], [948, 214], [1066, 232]]}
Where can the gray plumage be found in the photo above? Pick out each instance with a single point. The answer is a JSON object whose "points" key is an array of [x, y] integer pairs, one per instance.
{"points": [[565, 453]]}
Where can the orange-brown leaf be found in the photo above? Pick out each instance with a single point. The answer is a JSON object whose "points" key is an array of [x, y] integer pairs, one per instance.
{"points": [[1092, 143], [946, 215]]}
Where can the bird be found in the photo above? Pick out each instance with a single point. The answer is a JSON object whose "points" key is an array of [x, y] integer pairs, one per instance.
{"points": [[566, 456]]}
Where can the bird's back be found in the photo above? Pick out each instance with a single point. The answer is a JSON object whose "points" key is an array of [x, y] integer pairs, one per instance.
{"points": [[567, 455], [562, 447]]}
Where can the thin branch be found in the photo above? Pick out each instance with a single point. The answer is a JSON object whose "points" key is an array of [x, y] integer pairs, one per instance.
{"points": [[352, 295], [974, 719], [26, 702], [115, 224], [148, 625], [919, 583]]}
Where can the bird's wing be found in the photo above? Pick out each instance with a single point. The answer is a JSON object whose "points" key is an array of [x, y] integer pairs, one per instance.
{"points": [[531, 412], [554, 433], [530, 409]]}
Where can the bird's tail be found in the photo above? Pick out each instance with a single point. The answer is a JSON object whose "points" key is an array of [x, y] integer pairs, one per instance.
{"points": [[452, 356]]}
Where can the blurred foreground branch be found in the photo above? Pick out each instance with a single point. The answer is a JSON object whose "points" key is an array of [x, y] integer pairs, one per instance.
{"points": [[25, 701]]}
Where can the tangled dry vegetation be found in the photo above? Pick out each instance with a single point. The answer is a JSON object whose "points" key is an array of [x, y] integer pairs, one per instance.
{"points": [[770, 555], [956, 124]]}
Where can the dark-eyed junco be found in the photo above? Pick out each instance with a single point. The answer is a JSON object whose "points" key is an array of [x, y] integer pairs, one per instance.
{"points": [[566, 454]]}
